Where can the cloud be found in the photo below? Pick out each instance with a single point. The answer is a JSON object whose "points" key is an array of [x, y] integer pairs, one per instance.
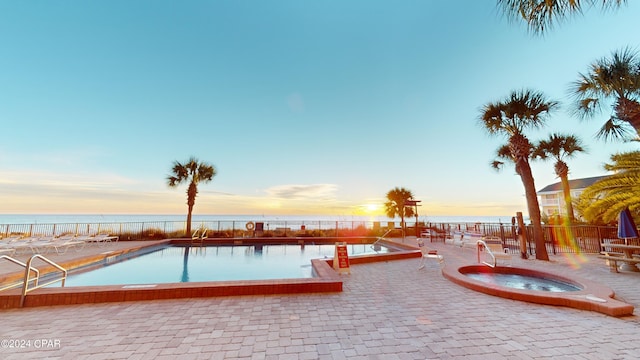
{"points": [[310, 192], [43, 191], [44, 179], [69, 157]]}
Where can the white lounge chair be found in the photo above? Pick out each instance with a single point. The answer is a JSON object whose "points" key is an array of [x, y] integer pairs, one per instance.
{"points": [[103, 239], [32, 244], [432, 234], [63, 243], [6, 247], [5, 250]]}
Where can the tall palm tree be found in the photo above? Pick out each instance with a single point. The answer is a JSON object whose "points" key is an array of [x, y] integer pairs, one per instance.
{"points": [[540, 15], [604, 199], [395, 204], [612, 82], [510, 117], [560, 147], [193, 172]]}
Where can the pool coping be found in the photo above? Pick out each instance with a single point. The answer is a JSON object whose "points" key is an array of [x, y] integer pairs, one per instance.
{"points": [[593, 296], [326, 281]]}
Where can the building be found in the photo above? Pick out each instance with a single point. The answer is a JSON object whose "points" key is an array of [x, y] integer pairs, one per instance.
{"points": [[552, 200]]}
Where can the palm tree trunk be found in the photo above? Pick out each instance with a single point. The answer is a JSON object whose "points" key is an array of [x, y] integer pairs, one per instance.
{"points": [[566, 190], [191, 201], [190, 207], [524, 170]]}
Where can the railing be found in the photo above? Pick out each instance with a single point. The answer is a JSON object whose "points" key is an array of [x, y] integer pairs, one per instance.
{"points": [[217, 228], [559, 239], [23, 265], [481, 245], [375, 245], [27, 272]]}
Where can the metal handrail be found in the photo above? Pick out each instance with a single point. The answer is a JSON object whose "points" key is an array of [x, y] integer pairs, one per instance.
{"points": [[199, 235], [481, 244], [18, 262], [381, 238], [25, 287]]}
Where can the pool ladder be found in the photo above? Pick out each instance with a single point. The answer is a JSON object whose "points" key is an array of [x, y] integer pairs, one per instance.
{"points": [[28, 268], [200, 236], [373, 246]]}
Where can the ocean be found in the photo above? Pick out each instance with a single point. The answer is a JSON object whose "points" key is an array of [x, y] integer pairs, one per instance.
{"points": [[6, 219]]}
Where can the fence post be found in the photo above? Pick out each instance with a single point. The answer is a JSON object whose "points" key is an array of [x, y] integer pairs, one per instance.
{"points": [[522, 235]]}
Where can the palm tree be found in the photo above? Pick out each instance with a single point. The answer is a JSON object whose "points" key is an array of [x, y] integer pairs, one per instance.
{"points": [[560, 147], [193, 172], [540, 15], [612, 82], [395, 205], [603, 200], [510, 117]]}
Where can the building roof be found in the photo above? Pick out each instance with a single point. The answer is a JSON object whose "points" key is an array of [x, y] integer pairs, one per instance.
{"points": [[573, 184]]}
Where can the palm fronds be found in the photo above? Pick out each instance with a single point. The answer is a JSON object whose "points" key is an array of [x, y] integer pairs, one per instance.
{"points": [[541, 15], [603, 200]]}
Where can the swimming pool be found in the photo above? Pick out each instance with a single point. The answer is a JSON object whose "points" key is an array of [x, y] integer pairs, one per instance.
{"points": [[181, 264]]}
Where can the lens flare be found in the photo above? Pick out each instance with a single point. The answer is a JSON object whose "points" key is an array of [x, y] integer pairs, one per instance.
{"points": [[563, 237]]}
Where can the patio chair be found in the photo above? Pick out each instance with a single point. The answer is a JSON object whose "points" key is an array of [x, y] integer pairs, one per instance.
{"points": [[428, 254]]}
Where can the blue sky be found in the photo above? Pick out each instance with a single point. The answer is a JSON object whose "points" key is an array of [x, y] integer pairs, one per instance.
{"points": [[304, 107]]}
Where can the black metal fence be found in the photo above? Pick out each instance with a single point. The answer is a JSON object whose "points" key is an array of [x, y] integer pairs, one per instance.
{"points": [[215, 228], [559, 239]]}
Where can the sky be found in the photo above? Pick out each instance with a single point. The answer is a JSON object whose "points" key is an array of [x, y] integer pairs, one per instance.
{"points": [[303, 107]]}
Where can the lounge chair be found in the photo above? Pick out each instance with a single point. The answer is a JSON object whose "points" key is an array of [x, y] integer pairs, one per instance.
{"points": [[465, 239], [6, 247], [102, 239], [62, 244], [432, 234], [32, 244], [5, 250]]}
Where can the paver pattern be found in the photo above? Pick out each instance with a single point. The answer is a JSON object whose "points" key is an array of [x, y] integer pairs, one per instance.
{"points": [[388, 310]]}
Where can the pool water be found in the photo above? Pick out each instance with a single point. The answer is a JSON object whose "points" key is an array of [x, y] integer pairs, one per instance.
{"points": [[173, 264], [523, 282]]}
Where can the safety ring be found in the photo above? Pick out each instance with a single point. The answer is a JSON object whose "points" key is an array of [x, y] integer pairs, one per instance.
{"points": [[250, 225]]}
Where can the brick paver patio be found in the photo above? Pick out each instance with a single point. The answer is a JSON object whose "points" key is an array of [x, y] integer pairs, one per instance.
{"points": [[388, 310]]}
